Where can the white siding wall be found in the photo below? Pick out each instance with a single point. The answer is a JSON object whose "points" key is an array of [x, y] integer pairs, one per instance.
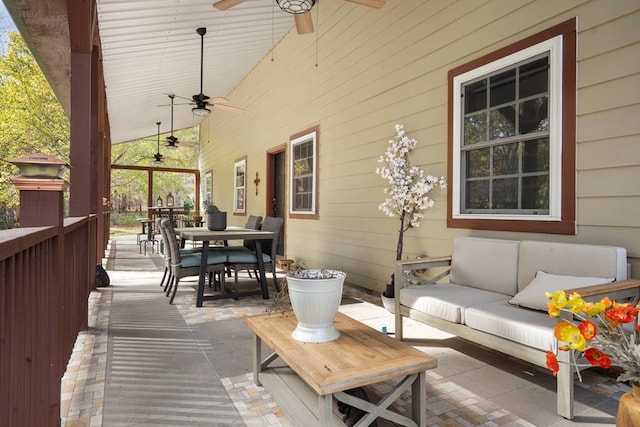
{"points": [[376, 68]]}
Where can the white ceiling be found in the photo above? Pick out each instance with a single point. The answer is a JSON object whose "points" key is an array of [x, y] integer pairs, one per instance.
{"points": [[151, 48]]}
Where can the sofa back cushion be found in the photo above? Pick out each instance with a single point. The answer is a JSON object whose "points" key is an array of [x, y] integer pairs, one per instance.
{"points": [[570, 259], [489, 264]]}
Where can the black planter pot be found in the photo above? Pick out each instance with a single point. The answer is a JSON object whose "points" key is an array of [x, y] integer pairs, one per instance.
{"points": [[389, 291], [217, 221]]}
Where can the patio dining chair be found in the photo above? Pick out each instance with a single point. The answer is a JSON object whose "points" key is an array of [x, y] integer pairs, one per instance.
{"points": [[166, 254], [238, 260], [188, 264]]}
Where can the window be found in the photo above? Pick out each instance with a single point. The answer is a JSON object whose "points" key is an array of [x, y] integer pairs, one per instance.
{"points": [[239, 186], [512, 137], [304, 175], [208, 186]]}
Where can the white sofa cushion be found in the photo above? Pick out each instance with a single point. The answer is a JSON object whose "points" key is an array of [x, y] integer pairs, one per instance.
{"points": [[489, 264], [570, 259], [446, 301], [533, 296], [529, 327]]}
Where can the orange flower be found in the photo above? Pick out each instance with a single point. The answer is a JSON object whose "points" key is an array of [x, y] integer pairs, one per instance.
{"points": [[621, 313], [553, 310], [565, 331], [588, 329], [597, 358], [552, 363]]}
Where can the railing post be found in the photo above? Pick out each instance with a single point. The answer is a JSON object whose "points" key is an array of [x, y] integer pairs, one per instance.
{"points": [[41, 201], [42, 205], [41, 190]]}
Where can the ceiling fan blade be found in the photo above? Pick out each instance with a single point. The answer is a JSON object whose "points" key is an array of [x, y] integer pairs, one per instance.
{"points": [[218, 100], [371, 3], [304, 23], [229, 108], [177, 103], [226, 4]]}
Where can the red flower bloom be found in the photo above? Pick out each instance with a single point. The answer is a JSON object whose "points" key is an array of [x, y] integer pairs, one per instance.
{"points": [[597, 358], [588, 329], [552, 363], [621, 313]]}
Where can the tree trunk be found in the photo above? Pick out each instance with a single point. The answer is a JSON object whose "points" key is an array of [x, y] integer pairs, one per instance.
{"points": [[400, 238]]}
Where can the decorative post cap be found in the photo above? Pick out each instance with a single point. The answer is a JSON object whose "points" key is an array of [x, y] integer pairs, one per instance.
{"points": [[40, 165]]}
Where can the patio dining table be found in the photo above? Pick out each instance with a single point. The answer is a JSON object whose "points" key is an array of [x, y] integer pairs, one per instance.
{"points": [[204, 235]]}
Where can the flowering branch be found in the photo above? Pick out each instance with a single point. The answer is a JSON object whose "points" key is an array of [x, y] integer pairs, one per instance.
{"points": [[409, 186]]}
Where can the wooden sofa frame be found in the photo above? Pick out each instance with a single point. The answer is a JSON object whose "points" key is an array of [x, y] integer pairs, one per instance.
{"points": [[626, 290]]}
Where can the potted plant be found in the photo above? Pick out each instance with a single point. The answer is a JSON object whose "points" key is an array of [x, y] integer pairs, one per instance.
{"points": [[216, 219], [408, 191], [188, 205], [314, 296]]}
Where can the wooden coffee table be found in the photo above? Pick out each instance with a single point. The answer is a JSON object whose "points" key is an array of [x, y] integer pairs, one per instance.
{"points": [[359, 357]]}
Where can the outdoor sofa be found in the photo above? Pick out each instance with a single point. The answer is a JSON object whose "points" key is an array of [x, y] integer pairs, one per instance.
{"points": [[495, 295]]}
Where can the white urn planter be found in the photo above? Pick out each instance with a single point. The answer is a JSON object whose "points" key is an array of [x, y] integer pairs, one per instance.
{"points": [[315, 297], [389, 303]]}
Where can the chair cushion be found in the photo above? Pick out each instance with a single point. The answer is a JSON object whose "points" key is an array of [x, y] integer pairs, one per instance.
{"points": [[489, 264], [570, 259], [186, 251], [529, 327], [446, 301], [193, 260], [244, 257]]}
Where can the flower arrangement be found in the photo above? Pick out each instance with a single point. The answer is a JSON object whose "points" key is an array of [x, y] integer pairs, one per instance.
{"points": [[596, 334], [408, 191], [409, 186]]}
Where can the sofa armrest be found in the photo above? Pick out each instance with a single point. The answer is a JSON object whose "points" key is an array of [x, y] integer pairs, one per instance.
{"points": [[402, 267], [405, 267], [614, 290]]}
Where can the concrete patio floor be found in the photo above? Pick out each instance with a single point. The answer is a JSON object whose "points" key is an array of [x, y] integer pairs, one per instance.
{"points": [[144, 362]]}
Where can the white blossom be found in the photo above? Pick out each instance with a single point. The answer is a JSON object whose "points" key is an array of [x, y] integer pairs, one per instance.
{"points": [[409, 186]]}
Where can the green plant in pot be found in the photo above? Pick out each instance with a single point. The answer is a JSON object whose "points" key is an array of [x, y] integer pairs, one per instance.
{"points": [[216, 219]]}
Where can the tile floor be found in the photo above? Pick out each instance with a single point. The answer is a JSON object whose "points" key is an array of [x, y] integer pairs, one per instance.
{"points": [[116, 378]]}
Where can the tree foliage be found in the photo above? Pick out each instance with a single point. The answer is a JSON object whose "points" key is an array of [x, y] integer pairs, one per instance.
{"points": [[129, 187], [31, 118]]}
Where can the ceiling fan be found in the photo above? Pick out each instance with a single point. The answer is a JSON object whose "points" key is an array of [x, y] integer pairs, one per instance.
{"points": [[158, 156], [301, 10], [172, 141], [202, 101]]}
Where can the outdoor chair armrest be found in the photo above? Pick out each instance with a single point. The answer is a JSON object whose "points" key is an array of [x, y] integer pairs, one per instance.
{"points": [[615, 290], [428, 262]]}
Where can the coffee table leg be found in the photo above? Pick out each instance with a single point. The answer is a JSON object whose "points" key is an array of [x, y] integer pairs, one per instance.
{"points": [[419, 400], [257, 365], [325, 407]]}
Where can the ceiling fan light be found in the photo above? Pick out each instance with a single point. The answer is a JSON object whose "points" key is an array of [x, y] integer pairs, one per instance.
{"points": [[296, 6], [200, 111]]}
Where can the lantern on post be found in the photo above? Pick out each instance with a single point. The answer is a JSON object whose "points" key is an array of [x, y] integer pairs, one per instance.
{"points": [[40, 165], [170, 200], [159, 201]]}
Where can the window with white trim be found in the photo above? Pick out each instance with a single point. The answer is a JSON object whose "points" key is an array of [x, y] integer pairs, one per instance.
{"points": [[507, 139], [239, 186], [304, 174]]}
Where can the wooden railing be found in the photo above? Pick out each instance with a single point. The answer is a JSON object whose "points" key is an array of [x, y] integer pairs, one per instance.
{"points": [[46, 275]]}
